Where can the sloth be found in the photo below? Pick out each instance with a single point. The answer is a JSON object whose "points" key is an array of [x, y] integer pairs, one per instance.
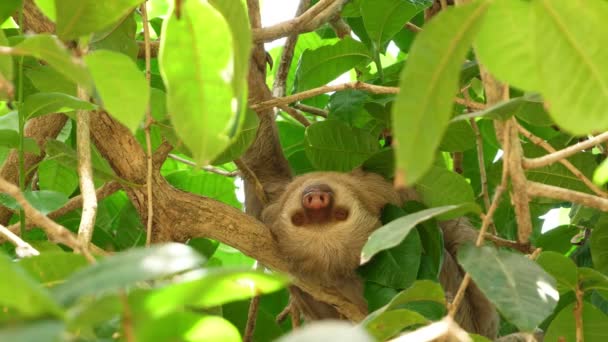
{"points": [[320, 223]]}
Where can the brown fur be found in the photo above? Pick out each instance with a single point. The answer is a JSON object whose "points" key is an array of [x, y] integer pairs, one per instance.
{"points": [[327, 252]]}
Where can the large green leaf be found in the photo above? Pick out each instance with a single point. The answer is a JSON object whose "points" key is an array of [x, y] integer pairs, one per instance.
{"points": [[49, 80], [55, 176], [44, 201], [128, 268], [52, 267], [195, 59], [599, 250], [76, 18], [47, 103], [67, 157], [187, 326], [563, 327], [7, 8], [20, 292], [10, 138], [332, 145], [458, 137], [571, 60], [384, 18], [122, 87], [561, 268], [212, 288], [558, 175], [52, 51], [44, 330], [388, 323], [557, 239], [391, 234], [119, 38], [428, 84], [206, 184], [521, 290], [319, 66], [235, 13], [504, 43], [440, 187], [240, 143]]}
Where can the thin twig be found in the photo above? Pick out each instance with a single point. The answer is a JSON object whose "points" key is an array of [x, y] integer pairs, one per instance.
{"points": [[311, 110], [206, 168], [575, 171], [85, 176], [565, 153], [318, 14], [150, 203], [53, 230], [413, 27], [250, 177], [294, 113], [280, 79], [252, 314], [578, 313], [498, 241], [22, 248], [535, 189], [127, 318], [485, 194], [374, 89]]}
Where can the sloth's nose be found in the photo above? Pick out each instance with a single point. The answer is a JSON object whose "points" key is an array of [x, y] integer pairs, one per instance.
{"points": [[316, 200]]}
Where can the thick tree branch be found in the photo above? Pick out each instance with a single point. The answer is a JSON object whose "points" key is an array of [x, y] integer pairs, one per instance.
{"points": [[40, 129], [320, 13]]}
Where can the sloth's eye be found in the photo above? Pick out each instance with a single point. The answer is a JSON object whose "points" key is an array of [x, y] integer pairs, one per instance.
{"points": [[297, 219], [341, 214]]}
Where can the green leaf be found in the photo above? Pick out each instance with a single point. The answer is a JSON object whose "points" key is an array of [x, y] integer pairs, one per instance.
{"points": [[529, 106], [67, 157], [521, 290], [332, 145], [563, 325], [420, 291], [122, 87], [195, 59], [49, 80], [384, 18], [240, 143], [22, 293], [459, 137], [187, 327], [7, 8], [557, 239], [441, 187], [45, 330], [119, 38], [214, 287], [235, 13], [40, 104], [391, 234], [382, 162], [387, 324], [600, 175], [558, 175], [561, 268], [52, 267], [318, 67], [505, 46], [6, 61], [128, 268], [328, 331], [10, 139], [206, 184], [76, 18], [44, 200], [591, 279], [599, 252], [55, 176], [571, 60], [52, 51], [428, 84]]}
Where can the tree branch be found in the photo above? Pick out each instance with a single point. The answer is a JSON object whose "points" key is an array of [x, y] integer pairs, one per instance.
{"points": [[310, 20], [575, 171], [22, 248], [535, 189], [565, 153]]}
